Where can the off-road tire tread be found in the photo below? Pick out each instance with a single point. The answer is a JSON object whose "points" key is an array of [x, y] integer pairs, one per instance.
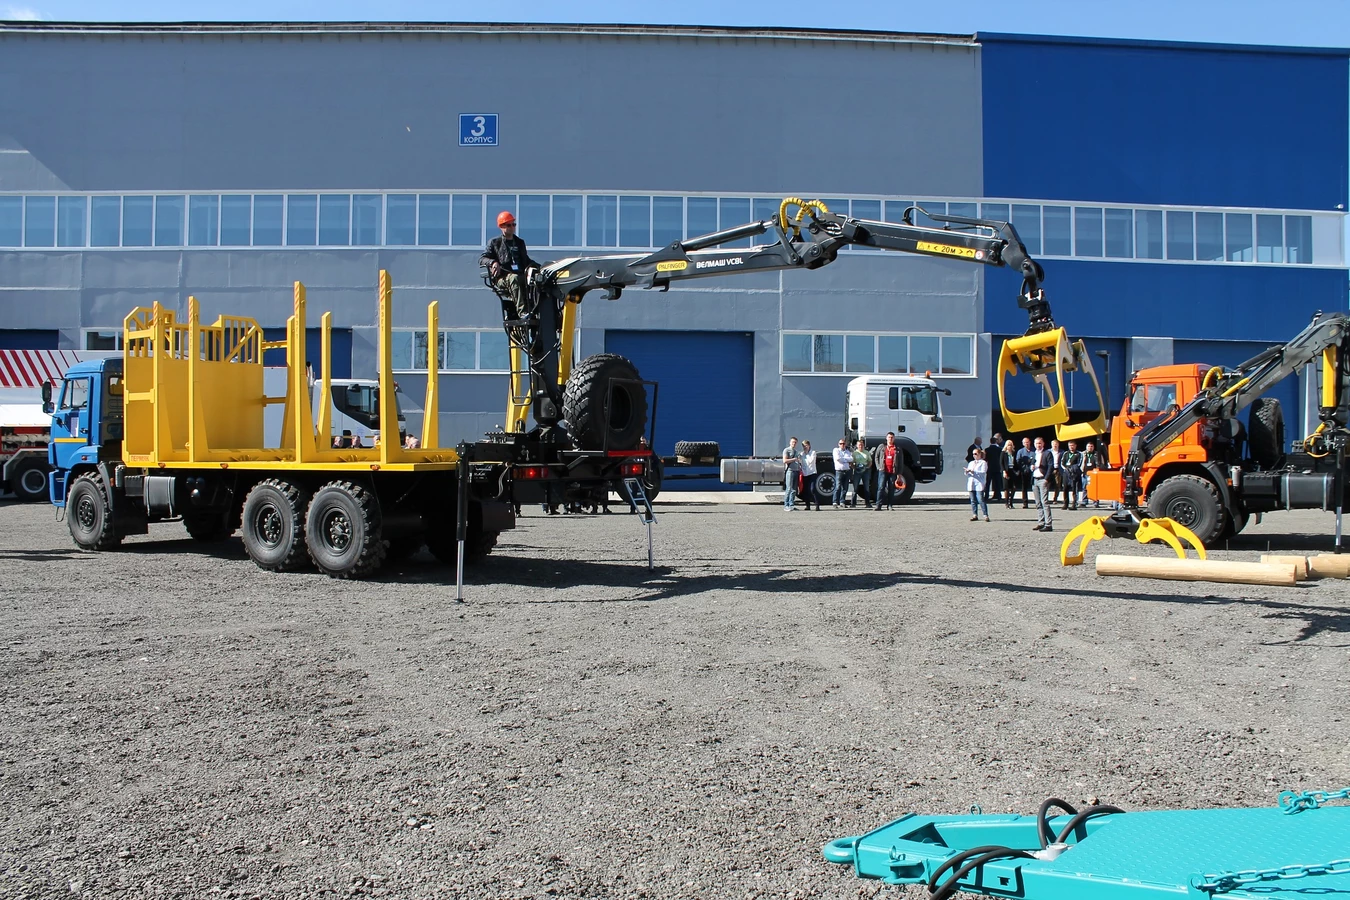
{"points": [[297, 501], [698, 449], [1205, 491], [1265, 432], [108, 537], [371, 556], [584, 413]]}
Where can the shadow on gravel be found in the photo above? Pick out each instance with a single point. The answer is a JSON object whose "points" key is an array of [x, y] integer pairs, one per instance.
{"points": [[40, 555], [229, 549], [1275, 543], [1317, 620]]}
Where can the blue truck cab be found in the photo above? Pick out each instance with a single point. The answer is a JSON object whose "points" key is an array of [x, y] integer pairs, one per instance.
{"points": [[86, 424]]}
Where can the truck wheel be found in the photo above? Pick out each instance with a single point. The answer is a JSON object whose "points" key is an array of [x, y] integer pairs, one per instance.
{"points": [[1191, 501], [825, 486], [652, 477], [273, 523], [89, 516], [698, 449], [342, 529], [29, 480], [1265, 432], [905, 492], [209, 527], [605, 404]]}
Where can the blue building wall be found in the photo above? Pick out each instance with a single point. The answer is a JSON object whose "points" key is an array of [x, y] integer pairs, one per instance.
{"points": [[1134, 122]]}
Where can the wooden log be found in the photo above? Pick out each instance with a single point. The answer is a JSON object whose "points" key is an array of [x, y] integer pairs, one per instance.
{"points": [[1300, 563], [1327, 565], [1196, 570]]}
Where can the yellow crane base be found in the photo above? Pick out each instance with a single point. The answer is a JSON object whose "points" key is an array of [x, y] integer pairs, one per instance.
{"points": [[1097, 528]]}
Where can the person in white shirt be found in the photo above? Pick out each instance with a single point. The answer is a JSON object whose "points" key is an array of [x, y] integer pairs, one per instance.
{"points": [[809, 476], [843, 472], [1053, 479], [1042, 466], [977, 476]]}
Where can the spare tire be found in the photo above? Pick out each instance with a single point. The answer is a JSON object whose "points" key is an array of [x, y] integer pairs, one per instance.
{"points": [[1265, 432], [698, 449], [605, 403]]}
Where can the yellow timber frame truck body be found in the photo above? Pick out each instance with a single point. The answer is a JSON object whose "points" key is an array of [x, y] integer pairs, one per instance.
{"points": [[174, 430]]}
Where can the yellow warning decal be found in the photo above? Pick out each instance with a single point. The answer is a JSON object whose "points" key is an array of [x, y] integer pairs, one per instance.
{"points": [[946, 249], [672, 265], [564, 273]]}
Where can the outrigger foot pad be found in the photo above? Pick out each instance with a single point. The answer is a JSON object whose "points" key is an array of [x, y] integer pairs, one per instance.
{"points": [[1126, 524]]}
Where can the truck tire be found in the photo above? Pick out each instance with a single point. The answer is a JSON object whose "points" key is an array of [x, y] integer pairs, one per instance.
{"points": [[1191, 501], [1265, 432], [29, 480], [209, 527], [905, 493], [89, 515], [342, 529], [604, 404], [1234, 522], [698, 449], [273, 525], [825, 487]]}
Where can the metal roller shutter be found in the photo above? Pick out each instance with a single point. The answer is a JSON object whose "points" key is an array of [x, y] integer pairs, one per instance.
{"points": [[706, 383]]}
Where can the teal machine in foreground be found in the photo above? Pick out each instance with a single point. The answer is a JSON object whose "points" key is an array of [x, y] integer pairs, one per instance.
{"points": [[1298, 849]]}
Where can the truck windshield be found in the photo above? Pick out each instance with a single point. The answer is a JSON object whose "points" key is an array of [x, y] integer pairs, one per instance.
{"points": [[75, 393], [920, 399], [362, 403], [1148, 401]]}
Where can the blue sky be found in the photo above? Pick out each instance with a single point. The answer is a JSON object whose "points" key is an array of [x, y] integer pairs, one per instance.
{"points": [[1299, 22]]}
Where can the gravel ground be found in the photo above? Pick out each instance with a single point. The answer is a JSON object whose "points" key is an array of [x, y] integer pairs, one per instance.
{"points": [[178, 723]]}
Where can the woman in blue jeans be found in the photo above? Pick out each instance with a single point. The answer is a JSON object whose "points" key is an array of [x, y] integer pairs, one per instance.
{"points": [[977, 476]]}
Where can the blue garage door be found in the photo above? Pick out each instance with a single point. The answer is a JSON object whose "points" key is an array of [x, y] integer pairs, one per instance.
{"points": [[342, 350], [706, 383], [1232, 353], [28, 339]]}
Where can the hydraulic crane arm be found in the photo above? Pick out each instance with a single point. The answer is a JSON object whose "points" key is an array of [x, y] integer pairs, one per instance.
{"points": [[541, 329], [810, 241], [1225, 394]]}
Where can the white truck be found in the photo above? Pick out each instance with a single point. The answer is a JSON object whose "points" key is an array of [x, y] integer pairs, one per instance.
{"points": [[909, 405], [25, 430]]}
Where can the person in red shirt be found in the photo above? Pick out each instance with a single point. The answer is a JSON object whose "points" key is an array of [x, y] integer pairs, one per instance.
{"points": [[888, 460]]}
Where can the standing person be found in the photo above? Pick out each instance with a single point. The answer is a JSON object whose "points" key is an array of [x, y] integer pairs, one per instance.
{"points": [[809, 476], [994, 457], [977, 476], [887, 460], [1071, 474], [862, 473], [1025, 463], [1011, 474], [792, 470], [977, 444], [1091, 463], [843, 472], [506, 260], [1042, 467], [1055, 480]]}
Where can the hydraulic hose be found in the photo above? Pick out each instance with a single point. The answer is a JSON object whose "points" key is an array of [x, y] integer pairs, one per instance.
{"points": [[968, 861]]}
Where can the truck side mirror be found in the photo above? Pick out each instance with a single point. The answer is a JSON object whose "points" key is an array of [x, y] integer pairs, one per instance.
{"points": [[47, 405], [947, 391]]}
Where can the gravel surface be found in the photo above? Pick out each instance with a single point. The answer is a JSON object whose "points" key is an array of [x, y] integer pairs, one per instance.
{"points": [[179, 723]]}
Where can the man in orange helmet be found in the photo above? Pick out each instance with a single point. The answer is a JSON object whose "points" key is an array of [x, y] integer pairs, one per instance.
{"points": [[507, 259]]}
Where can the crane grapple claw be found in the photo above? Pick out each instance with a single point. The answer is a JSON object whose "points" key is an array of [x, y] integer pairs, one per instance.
{"points": [[1097, 528], [1045, 355]]}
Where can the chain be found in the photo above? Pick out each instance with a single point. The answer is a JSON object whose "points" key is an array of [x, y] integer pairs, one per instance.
{"points": [[1297, 801], [1228, 881]]}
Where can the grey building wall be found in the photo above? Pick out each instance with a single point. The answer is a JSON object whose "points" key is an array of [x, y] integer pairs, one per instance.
{"points": [[251, 111]]}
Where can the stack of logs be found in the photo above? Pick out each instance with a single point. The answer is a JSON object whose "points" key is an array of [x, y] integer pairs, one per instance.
{"points": [[1272, 569]]}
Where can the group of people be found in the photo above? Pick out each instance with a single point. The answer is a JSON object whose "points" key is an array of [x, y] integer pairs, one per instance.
{"points": [[1046, 474], [875, 475]]}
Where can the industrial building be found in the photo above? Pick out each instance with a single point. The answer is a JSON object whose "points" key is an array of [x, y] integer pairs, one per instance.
{"points": [[1186, 200]]}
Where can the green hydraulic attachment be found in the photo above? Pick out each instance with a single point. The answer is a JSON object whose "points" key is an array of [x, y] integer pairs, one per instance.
{"points": [[1298, 849]]}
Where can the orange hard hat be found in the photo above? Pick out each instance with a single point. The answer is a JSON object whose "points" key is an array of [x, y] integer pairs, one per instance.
{"points": [[505, 218]]}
